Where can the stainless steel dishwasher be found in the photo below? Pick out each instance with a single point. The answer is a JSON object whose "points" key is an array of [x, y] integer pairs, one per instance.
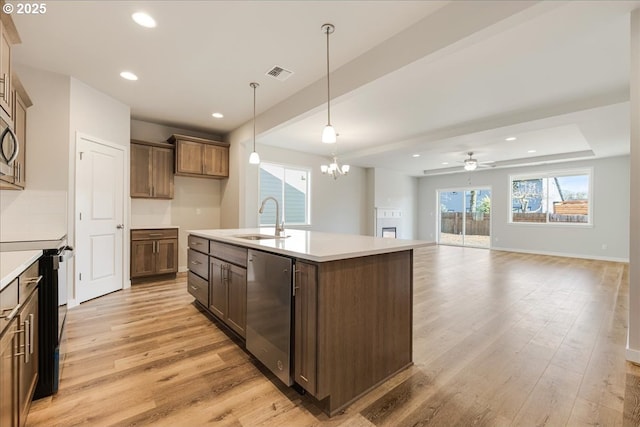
{"points": [[269, 279]]}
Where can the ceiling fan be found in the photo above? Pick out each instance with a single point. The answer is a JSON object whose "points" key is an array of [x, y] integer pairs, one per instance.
{"points": [[471, 164]]}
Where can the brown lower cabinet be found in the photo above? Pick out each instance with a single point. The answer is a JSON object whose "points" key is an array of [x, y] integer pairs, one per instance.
{"points": [[352, 317], [228, 294], [154, 252], [19, 355], [305, 324], [9, 376]]}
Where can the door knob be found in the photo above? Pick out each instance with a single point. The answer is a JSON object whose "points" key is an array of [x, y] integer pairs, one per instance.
{"points": [[120, 226]]}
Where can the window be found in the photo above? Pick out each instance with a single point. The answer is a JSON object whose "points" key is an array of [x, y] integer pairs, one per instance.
{"points": [[288, 185], [551, 198]]}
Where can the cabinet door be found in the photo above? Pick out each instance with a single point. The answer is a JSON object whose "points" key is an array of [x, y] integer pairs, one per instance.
{"points": [[9, 377], [305, 323], [5, 71], [141, 173], [218, 287], [162, 170], [216, 160], [28, 361], [237, 299], [20, 127], [166, 256], [188, 157], [142, 258]]}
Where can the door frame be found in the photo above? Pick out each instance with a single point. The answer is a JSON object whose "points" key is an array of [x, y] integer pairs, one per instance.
{"points": [[462, 189], [73, 211]]}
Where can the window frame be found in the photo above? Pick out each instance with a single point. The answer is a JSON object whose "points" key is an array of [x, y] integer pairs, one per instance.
{"points": [[551, 174], [286, 167]]}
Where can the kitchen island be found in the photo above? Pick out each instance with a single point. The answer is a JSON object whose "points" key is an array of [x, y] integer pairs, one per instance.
{"points": [[350, 303]]}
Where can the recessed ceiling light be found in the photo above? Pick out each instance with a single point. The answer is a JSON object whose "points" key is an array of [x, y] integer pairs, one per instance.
{"points": [[144, 20], [511, 138], [531, 151], [445, 163], [217, 115], [416, 155], [128, 75]]}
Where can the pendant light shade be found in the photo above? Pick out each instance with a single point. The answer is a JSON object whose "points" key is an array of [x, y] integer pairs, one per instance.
{"points": [[329, 133], [254, 158]]}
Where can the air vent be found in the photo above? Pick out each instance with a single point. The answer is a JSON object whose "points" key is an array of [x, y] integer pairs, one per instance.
{"points": [[279, 73]]}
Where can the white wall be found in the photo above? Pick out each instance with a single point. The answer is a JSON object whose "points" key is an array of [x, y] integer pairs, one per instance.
{"points": [[610, 202], [196, 201], [95, 114], [633, 337], [398, 191], [41, 209], [337, 206]]}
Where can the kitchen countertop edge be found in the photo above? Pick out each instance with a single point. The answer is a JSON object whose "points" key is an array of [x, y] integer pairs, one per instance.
{"points": [[14, 263], [360, 245]]}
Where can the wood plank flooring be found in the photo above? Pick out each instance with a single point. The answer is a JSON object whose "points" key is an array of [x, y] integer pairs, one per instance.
{"points": [[499, 339]]}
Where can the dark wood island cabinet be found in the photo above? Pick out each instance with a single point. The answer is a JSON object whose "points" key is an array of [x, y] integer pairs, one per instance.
{"points": [[351, 305]]}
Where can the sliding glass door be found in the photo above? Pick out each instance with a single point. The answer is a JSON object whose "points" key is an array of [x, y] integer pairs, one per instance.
{"points": [[465, 217]]}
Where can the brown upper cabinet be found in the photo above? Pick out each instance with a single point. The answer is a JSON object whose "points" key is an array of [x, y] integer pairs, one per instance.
{"points": [[151, 170], [21, 102], [8, 36], [200, 157], [20, 105]]}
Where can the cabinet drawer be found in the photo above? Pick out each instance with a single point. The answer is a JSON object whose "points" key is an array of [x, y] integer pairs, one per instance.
{"points": [[199, 288], [233, 254], [198, 243], [28, 281], [198, 263], [8, 302], [158, 233]]}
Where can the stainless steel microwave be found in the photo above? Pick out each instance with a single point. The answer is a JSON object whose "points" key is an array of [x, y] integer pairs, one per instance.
{"points": [[9, 148]]}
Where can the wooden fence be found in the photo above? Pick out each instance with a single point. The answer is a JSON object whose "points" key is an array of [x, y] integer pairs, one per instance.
{"points": [[553, 217], [477, 224]]}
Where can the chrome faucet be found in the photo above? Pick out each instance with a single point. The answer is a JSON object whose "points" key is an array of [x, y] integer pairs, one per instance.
{"points": [[280, 226]]}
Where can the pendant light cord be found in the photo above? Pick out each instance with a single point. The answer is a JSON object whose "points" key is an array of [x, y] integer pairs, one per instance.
{"points": [[328, 82], [254, 118]]}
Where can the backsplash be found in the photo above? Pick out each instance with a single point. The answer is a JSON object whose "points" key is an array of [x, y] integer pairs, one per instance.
{"points": [[32, 214], [150, 212]]}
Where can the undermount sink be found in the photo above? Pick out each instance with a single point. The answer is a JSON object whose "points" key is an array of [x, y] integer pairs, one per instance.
{"points": [[258, 236]]}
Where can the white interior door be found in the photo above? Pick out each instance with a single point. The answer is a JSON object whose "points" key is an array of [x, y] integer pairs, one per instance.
{"points": [[99, 219]]}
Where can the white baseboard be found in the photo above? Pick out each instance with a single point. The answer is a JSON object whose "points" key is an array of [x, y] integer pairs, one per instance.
{"points": [[183, 269], [633, 355], [72, 303], [562, 254]]}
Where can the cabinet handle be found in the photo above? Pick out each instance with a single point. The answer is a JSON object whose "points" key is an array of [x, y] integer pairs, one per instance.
{"points": [[33, 280], [12, 314], [3, 82], [155, 234], [31, 332], [196, 263], [20, 172], [27, 340], [295, 281]]}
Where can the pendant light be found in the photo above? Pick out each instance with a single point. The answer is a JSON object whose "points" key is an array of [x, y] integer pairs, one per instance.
{"points": [[254, 158], [329, 133]]}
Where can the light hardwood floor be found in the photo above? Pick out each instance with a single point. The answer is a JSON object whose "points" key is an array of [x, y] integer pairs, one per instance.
{"points": [[499, 339]]}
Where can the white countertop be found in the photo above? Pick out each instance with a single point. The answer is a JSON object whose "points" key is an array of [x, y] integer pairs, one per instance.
{"points": [[12, 264], [312, 245], [31, 241]]}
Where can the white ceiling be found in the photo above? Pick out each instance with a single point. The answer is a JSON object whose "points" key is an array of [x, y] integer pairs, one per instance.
{"points": [[437, 79]]}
